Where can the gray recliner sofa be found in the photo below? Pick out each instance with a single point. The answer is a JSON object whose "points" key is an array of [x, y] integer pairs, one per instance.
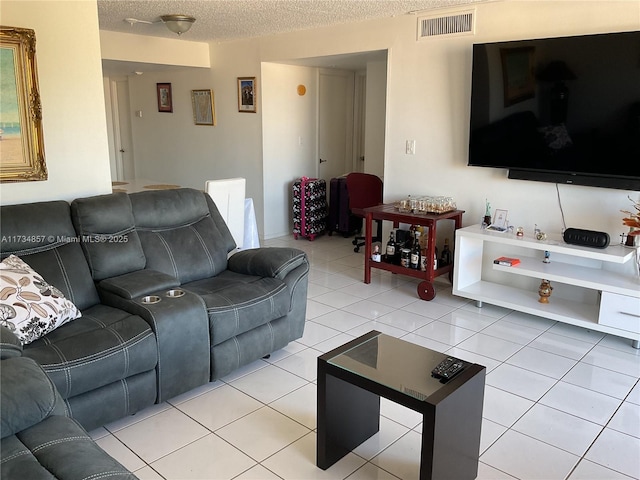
{"points": [[254, 301], [103, 363], [39, 441], [164, 307]]}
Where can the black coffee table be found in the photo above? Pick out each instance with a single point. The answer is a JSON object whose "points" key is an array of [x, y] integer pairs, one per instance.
{"points": [[353, 377]]}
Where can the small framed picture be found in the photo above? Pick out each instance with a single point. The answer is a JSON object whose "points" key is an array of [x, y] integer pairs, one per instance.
{"points": [[499, 223], [165, 102], [204, 111], [247, 95]]}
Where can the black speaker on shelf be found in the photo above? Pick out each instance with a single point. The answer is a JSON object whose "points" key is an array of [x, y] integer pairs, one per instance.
{"points": [[586, 238]]}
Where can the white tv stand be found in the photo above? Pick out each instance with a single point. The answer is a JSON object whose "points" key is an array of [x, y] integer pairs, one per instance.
{"points": [[591, 290]]}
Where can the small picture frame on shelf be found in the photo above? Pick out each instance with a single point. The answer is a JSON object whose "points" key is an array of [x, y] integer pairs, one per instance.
{"points": [[499, 223]]}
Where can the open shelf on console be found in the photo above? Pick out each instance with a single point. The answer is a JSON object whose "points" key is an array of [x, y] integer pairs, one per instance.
{"points": [[588, 274], [587, 277], [527, 301], [554, 243]]}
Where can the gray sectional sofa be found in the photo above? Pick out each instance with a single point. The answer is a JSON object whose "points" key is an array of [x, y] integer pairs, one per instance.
{"points": [[164, 308], [39, 441]]}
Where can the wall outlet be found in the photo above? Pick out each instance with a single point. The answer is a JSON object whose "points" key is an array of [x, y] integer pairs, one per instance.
{"points": [[410, 148]]}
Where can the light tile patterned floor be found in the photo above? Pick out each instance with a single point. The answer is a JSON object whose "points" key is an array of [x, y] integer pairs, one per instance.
{"points": [[561, 402]]}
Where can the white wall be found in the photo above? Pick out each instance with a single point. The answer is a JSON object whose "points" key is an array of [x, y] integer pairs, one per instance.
{"points": [[154, 50], [238, 149], [71, 92], [428, 94], [289, 139], [375, 118], [168, 146]]}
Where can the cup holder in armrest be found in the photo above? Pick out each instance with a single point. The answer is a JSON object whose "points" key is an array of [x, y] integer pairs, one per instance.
{"points": [[150, 299], [174, 293]]}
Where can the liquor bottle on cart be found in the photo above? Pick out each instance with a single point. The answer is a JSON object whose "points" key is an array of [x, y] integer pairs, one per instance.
{"points": [[415, 252], [435, 258], [412, 236], [424, 253], [390, 254], [445, 258]]}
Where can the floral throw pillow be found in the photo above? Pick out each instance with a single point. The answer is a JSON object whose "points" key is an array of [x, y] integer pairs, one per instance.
{"points": [[29, 306]]}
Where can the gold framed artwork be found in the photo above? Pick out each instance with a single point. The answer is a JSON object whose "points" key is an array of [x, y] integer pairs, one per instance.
{"points": [[247, 95], [21, 140], [165, 100], [204, 111], [518, 74]]}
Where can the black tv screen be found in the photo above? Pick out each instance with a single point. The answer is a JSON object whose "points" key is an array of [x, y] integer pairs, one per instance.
{"points": [[563, 110]]}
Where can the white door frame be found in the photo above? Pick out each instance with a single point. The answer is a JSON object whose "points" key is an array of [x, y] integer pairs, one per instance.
{"points": [[119, 129], [359, 109]]}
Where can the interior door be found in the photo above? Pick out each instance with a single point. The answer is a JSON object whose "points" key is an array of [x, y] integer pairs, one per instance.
{"points": [[335, 123], [119, 130], [126, 137]]}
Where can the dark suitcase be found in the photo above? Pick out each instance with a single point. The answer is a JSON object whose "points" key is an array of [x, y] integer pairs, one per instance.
{"points": [[340, 217], [309, 207]]}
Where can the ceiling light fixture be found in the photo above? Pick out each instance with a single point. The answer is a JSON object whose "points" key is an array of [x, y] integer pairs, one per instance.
{"points": [[178, 23]]}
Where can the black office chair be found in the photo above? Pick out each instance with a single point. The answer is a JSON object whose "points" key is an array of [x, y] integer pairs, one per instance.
{"points": [[365, 190]]}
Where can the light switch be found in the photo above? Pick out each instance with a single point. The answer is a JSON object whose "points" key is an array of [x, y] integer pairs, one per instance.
{"points": [[410, 147]]}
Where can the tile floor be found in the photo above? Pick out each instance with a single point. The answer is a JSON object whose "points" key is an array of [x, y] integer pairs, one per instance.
{"points": [[560, 402]]}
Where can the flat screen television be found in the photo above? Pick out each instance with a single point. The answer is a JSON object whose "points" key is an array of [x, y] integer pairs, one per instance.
{"points": [[562, 110]]}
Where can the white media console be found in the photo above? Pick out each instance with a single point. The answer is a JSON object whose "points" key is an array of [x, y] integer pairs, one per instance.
{"points": [[593, 288]]}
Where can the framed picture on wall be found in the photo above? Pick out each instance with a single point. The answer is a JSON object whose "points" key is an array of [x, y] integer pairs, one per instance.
{"points": [[21, 140], [247, 95], [165, 102], [204, 111]]}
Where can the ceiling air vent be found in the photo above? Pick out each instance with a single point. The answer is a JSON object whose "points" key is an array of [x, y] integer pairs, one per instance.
{"points": [[460, 23]]}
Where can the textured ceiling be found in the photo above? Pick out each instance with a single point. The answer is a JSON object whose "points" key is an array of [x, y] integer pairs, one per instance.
{"points": [[225, 20]]}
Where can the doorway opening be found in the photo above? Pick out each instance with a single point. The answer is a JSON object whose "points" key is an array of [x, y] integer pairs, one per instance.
{"points": [[351, 90]]}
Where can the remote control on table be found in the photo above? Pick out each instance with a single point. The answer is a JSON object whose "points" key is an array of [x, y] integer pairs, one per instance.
{"points": [[448, 368], [442, 367]]}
